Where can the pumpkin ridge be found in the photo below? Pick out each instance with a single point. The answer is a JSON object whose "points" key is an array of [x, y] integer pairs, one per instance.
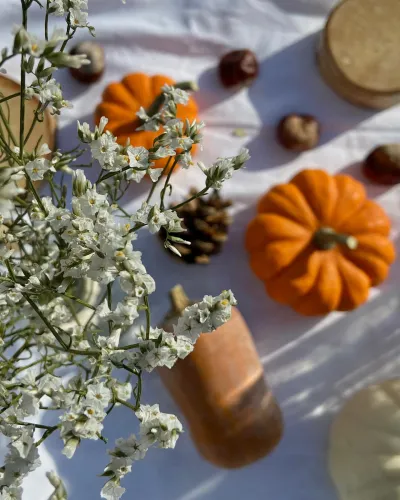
{"points": [[304, 258], [358, 274], [319, 190], [351, 199], [284, 205], [316, 300]]}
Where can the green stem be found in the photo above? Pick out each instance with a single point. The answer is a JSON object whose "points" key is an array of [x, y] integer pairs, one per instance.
{"points": [[46, 322], [203, 192], [138, 390], [46, 22], [22, 100], [153, 187], [166, 184], [46, 435], [327, 238], [125, 403], [148, 316], [7, 125], [11, 96], [32, 126]]}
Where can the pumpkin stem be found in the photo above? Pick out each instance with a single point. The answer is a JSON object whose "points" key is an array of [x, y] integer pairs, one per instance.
{"points": [[327, 238], [155, 106], [179, 299]]}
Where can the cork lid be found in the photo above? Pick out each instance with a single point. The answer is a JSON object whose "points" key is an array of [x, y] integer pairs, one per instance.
{"points": [[363, 38], [44, 131]]}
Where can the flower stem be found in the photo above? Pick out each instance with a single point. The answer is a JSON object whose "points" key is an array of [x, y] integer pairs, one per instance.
{"points": [[148, 316], [158, 180], [203, 192], [166, 184]]}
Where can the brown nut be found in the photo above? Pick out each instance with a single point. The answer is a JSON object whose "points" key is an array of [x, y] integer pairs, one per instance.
{"points": [[239, 67], [382, 165], [298, 132], [89, 73]]}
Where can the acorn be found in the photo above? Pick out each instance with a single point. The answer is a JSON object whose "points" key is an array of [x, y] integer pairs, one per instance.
{"points": [[382, 165], [297, 132], [239, 67], [89, 73]]}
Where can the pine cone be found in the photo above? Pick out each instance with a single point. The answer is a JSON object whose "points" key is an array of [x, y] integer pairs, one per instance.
{"points": [[207, 222]]}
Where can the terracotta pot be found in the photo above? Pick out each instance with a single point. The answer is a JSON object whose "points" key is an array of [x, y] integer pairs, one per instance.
{"points": [[220, 387]]}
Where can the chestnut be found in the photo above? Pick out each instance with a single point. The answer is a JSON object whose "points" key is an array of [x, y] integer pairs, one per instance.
{"points": [[297, 132], [382, 165], [92, 72], [239, 67]]}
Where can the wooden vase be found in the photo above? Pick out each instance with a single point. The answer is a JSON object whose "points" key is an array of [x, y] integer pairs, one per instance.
{"points": [[220, 387]]}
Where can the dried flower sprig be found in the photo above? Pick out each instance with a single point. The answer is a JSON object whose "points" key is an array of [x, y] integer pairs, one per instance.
{"points": [[61, 349]]}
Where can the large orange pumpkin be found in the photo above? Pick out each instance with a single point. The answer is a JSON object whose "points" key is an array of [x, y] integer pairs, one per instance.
{"points": [[122, 100], [319, 244]]}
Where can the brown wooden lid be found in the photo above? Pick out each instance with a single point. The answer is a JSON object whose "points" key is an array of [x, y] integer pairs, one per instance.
{"points": [[10, 108], [363, 39]]}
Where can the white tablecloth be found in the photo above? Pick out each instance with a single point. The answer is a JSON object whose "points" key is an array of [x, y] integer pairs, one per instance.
{"points": [[311, 363]]}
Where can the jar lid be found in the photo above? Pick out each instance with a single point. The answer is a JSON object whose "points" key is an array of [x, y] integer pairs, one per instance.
{"points": [[363, 40]]}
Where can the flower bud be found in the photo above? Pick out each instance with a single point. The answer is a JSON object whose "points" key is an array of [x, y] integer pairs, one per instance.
{"points": [[80, 184]]}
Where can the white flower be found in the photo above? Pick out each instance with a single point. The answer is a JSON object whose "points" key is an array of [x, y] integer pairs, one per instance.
{"points": [[142, 214], [78, 18], [156, 220], [99, 392], [241, 158], [49, 383], [104, 150], [218, 173], [70, 447], [38, 167], [138, 157], [154, 173], [58, 6], [185, 160], [162, 152], [84, 132], [173, 222], [61, 59], [177, 95], [123, 391], [112, 491]]}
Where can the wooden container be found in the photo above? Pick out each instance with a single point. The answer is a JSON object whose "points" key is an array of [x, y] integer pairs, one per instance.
{"points": [[44, 132], [220, 388], [358, 53]]}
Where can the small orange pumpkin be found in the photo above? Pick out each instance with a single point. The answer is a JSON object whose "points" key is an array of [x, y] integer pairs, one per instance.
{"points": [[122, 100], [319, 244]]}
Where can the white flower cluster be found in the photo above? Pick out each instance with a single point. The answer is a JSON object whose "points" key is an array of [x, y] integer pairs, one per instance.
{"points": [[75, 9], [134, 162], [9, 189], [223, 169], [45, 50], [157, 347], [156, 428], [23, 456], [84, 418], [49, 94], [155, 219], [205, 316], [38, 167]]}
